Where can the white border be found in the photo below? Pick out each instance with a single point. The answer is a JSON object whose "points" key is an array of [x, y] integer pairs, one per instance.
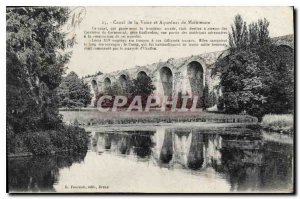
{"points": [[5, 3]]}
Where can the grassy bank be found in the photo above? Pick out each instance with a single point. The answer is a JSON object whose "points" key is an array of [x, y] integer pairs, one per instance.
{"points": [[279, 123], [95, 117]]}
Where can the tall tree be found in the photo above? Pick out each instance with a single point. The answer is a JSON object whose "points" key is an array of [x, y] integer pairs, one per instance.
{"points": [[256, 75], [238, 38], [35, 64], [73, 92]]}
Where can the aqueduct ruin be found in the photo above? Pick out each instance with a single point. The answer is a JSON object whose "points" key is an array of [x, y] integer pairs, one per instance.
{"points": [[188, 75]]}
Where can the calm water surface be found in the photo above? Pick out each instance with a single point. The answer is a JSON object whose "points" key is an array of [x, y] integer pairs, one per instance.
{"points": [[231, 159]]}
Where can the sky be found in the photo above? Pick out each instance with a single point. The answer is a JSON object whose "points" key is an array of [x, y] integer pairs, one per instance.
{"points": [[85, 62]]}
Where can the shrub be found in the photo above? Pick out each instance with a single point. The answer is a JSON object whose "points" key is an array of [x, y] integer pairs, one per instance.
{"points": [[67, 138], [77, 139], [231, 103], [283, 121], [38, 143], [58, 140]]}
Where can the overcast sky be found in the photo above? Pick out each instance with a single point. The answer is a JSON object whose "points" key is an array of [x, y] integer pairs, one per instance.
{"points": [[88, 62]]}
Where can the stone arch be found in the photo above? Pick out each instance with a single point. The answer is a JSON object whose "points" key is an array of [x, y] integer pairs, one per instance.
{"points": [[123, 80], [286, 55], [107, 83], [285, 47], [287, 40], [166, 77], [195, 74], [94, 86], [141, 73]]}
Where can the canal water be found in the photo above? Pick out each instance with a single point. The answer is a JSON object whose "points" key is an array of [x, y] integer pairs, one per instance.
{"points": [[223, 159]]}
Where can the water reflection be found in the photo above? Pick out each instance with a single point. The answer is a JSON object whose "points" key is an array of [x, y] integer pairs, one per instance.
{"points": [[195, 157], [237, 157], [38, 174], [166, 152], [248, 162], [123, 143]]}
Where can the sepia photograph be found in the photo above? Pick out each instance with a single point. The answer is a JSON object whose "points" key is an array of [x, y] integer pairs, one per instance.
{"points": [[152, 99]]}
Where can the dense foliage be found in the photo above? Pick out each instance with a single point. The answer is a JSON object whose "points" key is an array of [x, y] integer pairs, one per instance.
{"points": [[70, 139], [141, 86], [256, 76], [34, 68], [73, 92]]}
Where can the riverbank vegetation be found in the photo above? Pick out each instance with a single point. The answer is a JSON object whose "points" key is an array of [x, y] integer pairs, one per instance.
{"points": [[95, 117], [279, 123], [257, 77], [34, 68], [68, 139]]}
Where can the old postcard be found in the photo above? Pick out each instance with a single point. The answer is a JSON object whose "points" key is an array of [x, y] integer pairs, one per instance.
{"points": [[150, 99]]}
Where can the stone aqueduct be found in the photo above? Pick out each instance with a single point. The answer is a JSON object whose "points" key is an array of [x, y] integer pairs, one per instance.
{"points": [[188, 75]]}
